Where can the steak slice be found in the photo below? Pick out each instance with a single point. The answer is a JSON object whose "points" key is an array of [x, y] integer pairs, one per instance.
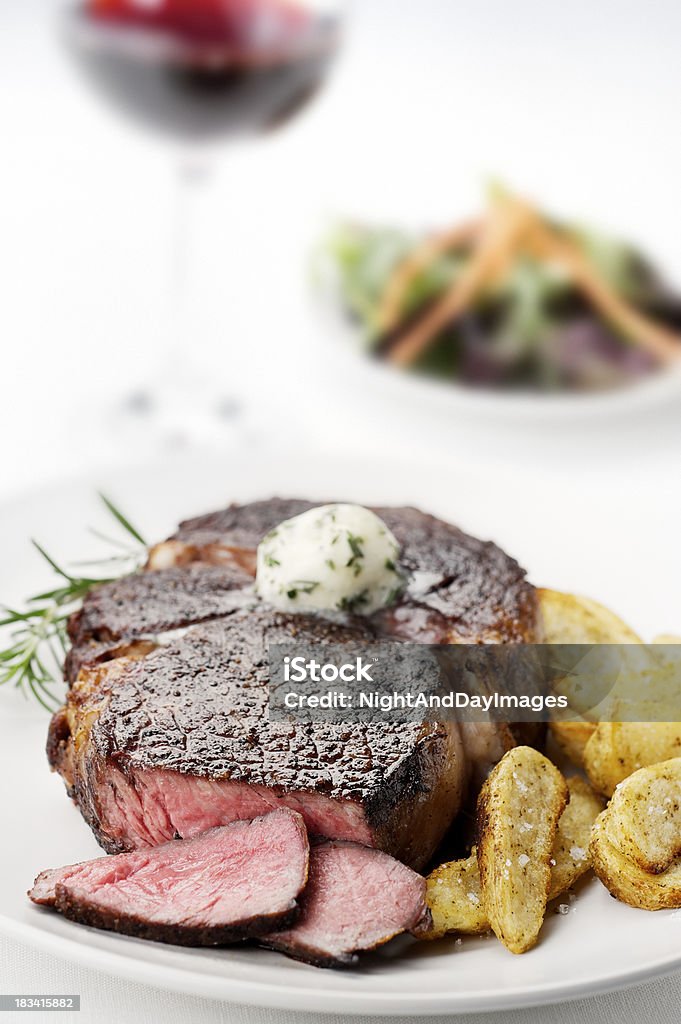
{"points": [[147, 603], [460, 589], [356, 899], [152, 602], [179, 741], [227, 537], [229, 884]]}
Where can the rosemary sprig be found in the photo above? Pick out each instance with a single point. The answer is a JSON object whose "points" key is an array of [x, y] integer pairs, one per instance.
{"points": [[37, 637]]}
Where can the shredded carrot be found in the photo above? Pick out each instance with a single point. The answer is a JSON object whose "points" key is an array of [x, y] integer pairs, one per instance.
{"points": [[423, 256], [512, 226], [664, 344], [494, 252]]}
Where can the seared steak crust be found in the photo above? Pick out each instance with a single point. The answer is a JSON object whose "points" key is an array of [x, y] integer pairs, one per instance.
{"points": [[136, 732], [90, 653], [120, 619], [460, 590], [153, 602], [135, 925], [240, 526], [229, 536]]}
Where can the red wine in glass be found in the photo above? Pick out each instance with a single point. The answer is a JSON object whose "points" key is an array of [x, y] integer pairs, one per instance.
{"points": [[200, 68]]}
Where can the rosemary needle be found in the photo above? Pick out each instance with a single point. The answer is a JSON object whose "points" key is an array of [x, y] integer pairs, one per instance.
{"points": [[36, 635]]}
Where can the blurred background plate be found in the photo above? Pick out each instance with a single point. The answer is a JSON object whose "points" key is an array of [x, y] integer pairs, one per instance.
{"points": [[348, 368]]}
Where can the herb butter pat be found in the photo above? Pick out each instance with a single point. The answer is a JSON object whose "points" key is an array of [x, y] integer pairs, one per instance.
{"points": [[332, 558]]}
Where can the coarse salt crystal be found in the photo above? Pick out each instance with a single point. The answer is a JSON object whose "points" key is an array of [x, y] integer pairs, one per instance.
{"points": [[578, 853], [519, 783], [563, 908], [473, 899], [523, 860]]}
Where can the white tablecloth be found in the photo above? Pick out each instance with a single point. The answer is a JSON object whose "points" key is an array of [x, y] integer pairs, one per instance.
{"points": [[109, 1000]]}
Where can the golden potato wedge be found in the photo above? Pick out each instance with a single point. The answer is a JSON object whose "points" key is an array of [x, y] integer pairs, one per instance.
{"points": [[570, 858], [618, 749], [453, 891], [526, 790], [601, 763], [644, 819], [569, 619], [455, 900], [572, 738], [626, 880]]}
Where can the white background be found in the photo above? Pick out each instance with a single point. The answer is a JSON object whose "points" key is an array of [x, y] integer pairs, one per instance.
{"points": [[576, 104]]}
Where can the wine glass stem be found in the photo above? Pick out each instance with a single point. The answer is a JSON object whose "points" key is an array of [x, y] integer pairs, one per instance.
{"points": [[193, 181], [190, 393]]}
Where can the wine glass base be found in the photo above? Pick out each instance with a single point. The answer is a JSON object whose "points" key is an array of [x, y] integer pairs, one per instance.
{"points": [[163, 417]]}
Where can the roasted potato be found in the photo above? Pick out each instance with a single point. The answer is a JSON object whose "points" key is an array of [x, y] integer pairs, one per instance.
{"points": [[570, 858], [644, 817], [525, 791], [572, 738], [618, 749], [569, 619], [453, 891], [455, 900], [626, 880]]}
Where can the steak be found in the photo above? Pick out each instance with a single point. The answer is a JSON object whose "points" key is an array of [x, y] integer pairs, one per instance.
{"points": [[178, 742], [227, 537], [147, 603], [460, 589], [162, 739], [356, 899], [226, 885]]}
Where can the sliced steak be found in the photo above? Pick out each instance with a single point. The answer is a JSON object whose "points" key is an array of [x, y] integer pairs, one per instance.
{"points": [[153, 602], [461, 590], [229, 884], [177, 742], [117, 618], [227, 537], [356, 899], [95, 652]]}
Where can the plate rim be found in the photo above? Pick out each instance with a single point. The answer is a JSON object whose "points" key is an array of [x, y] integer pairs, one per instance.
{"points": [[296, 997]]}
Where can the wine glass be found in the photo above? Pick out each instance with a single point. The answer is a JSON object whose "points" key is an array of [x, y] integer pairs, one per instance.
{"points": [[199, 71]]}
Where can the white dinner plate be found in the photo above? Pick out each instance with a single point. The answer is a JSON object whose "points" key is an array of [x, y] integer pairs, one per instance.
{"points": [[621, 547]]}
